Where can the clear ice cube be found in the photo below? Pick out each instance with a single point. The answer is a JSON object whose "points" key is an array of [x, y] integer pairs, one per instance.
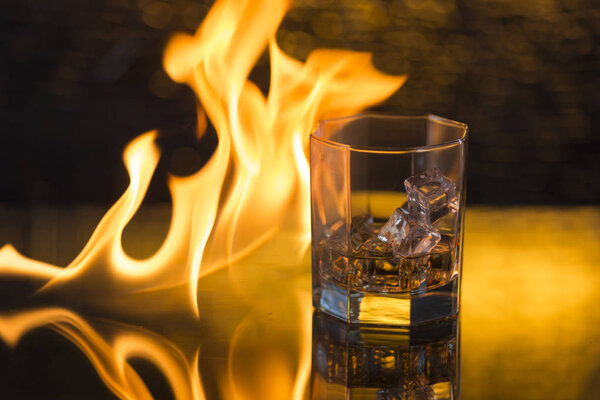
{"points": [[362, 229], [431, 195], [408, 236], [363, 238], [375, 247], [335, 237]]}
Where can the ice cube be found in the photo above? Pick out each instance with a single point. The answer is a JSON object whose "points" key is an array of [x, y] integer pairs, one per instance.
{"points": [[362, 231], [333, 265], [431, 195], [362, 225], [335, 237], [408, 236], [375, 247], [363, 236]]}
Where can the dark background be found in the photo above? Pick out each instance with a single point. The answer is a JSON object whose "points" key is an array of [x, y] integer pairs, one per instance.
{"points": [[80, 79]]}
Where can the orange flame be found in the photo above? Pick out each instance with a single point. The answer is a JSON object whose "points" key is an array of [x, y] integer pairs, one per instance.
{"points": [[110, 357], [248, 205]]}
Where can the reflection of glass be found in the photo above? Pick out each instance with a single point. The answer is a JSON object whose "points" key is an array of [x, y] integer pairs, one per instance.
{"points": [[372, 362], [387, 209]]}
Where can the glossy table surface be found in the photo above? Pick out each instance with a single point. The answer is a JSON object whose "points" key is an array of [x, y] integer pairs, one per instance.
{"points": [[529, 324]]}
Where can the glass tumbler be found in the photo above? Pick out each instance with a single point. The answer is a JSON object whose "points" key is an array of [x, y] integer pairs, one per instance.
{"points": [[387, 211]]}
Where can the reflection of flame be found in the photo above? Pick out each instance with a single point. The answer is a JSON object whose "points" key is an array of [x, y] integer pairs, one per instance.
{"points": [[110, 358], [252, 194]]}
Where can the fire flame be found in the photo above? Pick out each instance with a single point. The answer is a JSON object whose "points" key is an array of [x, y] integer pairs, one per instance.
{"points": [[249, 205]]}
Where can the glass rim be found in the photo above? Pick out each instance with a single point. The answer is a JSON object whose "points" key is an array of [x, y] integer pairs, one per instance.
{"points": [[393, 149]]}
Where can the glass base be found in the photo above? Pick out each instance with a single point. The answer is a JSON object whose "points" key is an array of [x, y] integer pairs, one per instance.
{"points": [[398, 309]]}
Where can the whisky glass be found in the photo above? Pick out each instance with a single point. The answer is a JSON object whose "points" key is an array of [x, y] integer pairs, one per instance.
{"points": [[387, 212]]}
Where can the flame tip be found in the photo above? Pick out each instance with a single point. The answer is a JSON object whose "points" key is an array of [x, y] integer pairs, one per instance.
{"points": [[8, 248]]}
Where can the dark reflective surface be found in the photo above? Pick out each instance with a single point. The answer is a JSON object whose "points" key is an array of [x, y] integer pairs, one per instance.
{"points": [[530, 324]]}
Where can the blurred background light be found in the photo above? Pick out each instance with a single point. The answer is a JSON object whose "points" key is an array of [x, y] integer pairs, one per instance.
{"points": [[79, 80]]}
